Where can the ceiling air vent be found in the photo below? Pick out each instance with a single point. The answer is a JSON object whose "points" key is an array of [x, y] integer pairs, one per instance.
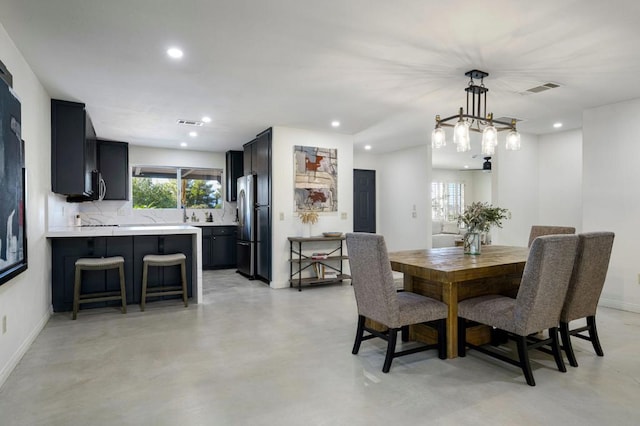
{"points": [[543, 87], [191, 123]]}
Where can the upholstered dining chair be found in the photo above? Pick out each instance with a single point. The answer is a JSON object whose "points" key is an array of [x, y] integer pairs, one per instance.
{"points": [[587, 280], [378, 300], [540, 298], [540, 230]]}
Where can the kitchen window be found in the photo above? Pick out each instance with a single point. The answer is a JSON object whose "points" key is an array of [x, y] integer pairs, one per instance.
{"points": [[159, 187]]}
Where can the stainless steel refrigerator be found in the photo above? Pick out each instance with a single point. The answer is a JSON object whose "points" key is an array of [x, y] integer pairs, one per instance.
{"points": [[247, 225]]}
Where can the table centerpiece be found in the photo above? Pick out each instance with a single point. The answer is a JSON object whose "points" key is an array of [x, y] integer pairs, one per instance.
{"points": [[477, 219]]}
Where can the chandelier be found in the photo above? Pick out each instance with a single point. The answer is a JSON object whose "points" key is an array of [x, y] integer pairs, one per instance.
{"points": [[475, 119]]}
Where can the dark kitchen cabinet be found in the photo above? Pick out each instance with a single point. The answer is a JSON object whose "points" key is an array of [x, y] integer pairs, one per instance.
{"points": [[248, 156], [219, 247], [258, 153], [166, 276], [234, 163], [73, 151], [65, 252], [113, 164]]}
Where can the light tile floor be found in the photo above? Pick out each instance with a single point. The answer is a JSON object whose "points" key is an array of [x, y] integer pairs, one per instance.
{"points": [[249, 355]]}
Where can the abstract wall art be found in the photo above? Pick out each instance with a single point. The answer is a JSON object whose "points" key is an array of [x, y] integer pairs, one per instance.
{"points": [[316, 179], [13, 237]]}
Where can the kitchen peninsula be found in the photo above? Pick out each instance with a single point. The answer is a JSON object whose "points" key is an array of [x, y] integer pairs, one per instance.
{"points": [[132, 242]]}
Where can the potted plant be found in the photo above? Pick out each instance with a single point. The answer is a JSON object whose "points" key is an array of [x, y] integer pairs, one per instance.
{"points": [[478, 218]]}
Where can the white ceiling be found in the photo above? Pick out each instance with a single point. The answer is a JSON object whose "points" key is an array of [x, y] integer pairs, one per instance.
{"points": [[383, 68]]}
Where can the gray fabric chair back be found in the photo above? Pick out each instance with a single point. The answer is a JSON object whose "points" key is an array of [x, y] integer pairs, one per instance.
{"points": [[544, 283], [539, 231], [589, 273], [372, 278]]}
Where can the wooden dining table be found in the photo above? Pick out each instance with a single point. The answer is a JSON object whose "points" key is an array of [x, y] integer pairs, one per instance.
{"points": [[449, 275]]}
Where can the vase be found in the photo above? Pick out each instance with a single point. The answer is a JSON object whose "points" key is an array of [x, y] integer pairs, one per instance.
{"points": [[472, 243], [306, 230]]}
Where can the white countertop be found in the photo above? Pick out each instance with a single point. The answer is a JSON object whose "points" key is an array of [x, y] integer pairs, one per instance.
{"points": [[210, 224], [117, 231]]}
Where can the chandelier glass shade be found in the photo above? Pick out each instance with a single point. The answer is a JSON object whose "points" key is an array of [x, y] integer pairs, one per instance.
{"points": [[475, 119]]}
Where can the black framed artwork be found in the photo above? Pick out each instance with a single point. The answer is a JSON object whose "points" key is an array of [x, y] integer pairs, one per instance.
{"points": [[13, 230]]}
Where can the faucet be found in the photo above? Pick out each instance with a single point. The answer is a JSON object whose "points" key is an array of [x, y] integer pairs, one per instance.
{"points": [[184, 215]]}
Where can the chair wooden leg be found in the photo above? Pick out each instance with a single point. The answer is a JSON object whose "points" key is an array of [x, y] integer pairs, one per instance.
{"points": [[593, 335], [566, 343], [143, 298], [523, 354], [359, 335], [123, 291], [462, 337], [76, 292], [183, 276], [442, 339], [555, 348], [391, 348]]}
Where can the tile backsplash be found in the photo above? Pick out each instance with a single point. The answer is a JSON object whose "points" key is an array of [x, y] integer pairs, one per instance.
{"points": [[61, 213]]}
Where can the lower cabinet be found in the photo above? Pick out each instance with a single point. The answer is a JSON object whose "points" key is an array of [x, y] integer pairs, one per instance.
{"points": [[219, 247], [65, 252], [166, 276]]}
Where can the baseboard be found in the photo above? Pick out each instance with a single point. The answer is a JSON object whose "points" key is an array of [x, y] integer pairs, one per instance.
{"points": [[619, 304], [17, 356]]}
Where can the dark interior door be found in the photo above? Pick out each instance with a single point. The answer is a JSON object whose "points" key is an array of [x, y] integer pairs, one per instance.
{"points": [[364, 200]]}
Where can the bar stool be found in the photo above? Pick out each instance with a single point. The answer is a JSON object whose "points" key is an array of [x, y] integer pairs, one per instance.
{"points": [[95, 264], [163, 260]]}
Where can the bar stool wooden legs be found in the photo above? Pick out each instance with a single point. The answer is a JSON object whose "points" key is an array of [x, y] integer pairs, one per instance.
{"points": [[93, 264], [164, 260]]}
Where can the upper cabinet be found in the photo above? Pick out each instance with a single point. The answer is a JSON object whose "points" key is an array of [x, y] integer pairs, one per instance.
{"points": [[234, 162], [249, 157], [73, 151], [113, 164]]}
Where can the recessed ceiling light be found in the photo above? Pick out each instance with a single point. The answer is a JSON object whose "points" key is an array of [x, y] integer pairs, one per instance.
{"points": [[193, 134], [367, 147], [335, 123], [206, 119], [557, 125], [466, 167], [183, 144], [174, 53]]}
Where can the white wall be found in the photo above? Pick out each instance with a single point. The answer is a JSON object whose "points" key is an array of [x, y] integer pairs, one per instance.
{"points": [[481, 187], [515, 187], [560, 179], [404, 181], [610, 194], [365, 160], [26, 299], [283, 141]]}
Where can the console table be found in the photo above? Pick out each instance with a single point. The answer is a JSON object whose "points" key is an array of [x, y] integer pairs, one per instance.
{"points": [[301, 260]]}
